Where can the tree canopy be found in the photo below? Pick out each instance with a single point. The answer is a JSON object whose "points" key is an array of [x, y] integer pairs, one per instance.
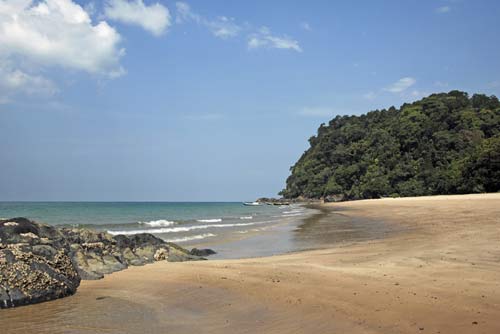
{"points": [[446, 143]]}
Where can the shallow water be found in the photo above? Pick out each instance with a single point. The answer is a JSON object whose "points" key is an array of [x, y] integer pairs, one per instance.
{"points": [[315, 228], [184, 223], [99, 307]]}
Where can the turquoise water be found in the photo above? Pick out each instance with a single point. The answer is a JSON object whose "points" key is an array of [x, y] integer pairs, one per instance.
{"points": [[173, 221]]}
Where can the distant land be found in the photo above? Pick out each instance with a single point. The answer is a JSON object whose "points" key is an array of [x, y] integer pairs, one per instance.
{"points": [[447, 143]]}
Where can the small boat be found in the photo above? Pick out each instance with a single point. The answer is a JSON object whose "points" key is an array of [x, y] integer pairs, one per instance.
{"points": [[251, 203]]}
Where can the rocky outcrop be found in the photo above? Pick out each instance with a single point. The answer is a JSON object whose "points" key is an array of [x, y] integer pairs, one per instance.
{"points": [[201, 252], [35, 265], [98, 253], [40, 262]]}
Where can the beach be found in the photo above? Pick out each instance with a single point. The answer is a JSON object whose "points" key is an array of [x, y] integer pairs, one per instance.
{"points": [[406, 265]]}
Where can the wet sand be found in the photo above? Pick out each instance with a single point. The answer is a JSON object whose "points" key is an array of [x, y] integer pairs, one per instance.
{"points": [[426, 265]]}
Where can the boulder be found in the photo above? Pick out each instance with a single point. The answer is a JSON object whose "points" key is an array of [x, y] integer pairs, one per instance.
{"points": [[40, 262], [179, 254], [100, 253], [32, 269], [202, 252]]}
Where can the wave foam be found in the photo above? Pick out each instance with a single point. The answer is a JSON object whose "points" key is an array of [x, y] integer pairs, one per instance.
{"points": [[292, 215], [246, 217], [176, 229], [217, 220], [158, 223], [194, 237]]}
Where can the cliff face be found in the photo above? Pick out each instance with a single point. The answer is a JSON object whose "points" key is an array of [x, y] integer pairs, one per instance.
{"points": [[40, 262], [443, 144]]}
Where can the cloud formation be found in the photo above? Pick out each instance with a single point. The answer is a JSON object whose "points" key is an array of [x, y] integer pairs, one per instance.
{"points": [[38, 35], [15, 81], [264, 38], [58, 33], [221, 27], [154, 18], [401, 85], [226, 27]]}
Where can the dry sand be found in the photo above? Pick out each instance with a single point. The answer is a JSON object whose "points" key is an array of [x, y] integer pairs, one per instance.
{"points": [[440, 273]]}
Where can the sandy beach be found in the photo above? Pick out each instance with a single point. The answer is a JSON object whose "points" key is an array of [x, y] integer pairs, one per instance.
{"points": [[436, 269]]}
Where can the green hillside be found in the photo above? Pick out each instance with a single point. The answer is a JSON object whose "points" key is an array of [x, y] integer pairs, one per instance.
{"points": [[443, 144]]}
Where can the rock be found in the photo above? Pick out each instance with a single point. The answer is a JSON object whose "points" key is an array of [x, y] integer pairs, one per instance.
{"points": [[85, 270], [179, 254], [161, 254], [99, 253], [29, 235], [40, 262], [31, 272], [202, 252]]}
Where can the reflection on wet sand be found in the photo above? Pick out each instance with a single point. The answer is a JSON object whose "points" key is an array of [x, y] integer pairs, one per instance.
{"points": [[319, 227], [441, 260], [162, 302], [330, 227]]}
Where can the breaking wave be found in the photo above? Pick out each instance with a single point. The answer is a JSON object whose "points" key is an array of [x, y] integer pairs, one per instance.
{"points": [[193, 237], [158, 223], [177, 229], [293, 211], [291, 215], [217, 220]]}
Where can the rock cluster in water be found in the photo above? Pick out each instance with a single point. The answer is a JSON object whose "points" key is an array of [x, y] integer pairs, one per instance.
{"points": [[40, 262]]}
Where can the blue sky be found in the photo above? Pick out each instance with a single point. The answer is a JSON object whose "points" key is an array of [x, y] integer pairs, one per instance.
{"points": [[212, 100]]}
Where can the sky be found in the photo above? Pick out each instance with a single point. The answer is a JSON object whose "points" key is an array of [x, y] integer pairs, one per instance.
{"points": [[214, 100]]}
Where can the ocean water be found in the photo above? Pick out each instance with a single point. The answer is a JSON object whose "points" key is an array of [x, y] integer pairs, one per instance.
{"points": [[188, 223]]}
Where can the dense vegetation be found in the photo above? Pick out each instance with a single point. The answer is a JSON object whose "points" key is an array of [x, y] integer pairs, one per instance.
{"points": [[442, 144]]}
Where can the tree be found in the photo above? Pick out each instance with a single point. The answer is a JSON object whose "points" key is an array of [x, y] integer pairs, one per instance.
{"points": [[443, 144]]}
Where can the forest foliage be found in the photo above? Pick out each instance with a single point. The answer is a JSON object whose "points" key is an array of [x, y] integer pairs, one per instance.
{"points": [[447, 143]]}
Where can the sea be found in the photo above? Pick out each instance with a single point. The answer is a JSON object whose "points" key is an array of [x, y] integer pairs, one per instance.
{"points": [[219, 224]]}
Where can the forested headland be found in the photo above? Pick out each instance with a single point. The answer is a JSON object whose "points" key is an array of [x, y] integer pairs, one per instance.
{"points": [[447, 143]]}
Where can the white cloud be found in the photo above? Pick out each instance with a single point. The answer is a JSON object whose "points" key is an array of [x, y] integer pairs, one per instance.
{"points": [[221, 27], [226, 27], [401, 85], [58, 33], [154, 18], [316, 112], [185, 14], [15, 81], [305, 26], [443, 9], [264, 38]]}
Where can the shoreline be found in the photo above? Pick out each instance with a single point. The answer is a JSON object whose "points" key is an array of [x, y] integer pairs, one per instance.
{"points": [[438, 273]]}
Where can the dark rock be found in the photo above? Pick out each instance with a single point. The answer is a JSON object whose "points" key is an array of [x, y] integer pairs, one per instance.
{"points": [[202, 252], [35, 265], [179, 254], [182, 257], [40, 262], [100, 253]]}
